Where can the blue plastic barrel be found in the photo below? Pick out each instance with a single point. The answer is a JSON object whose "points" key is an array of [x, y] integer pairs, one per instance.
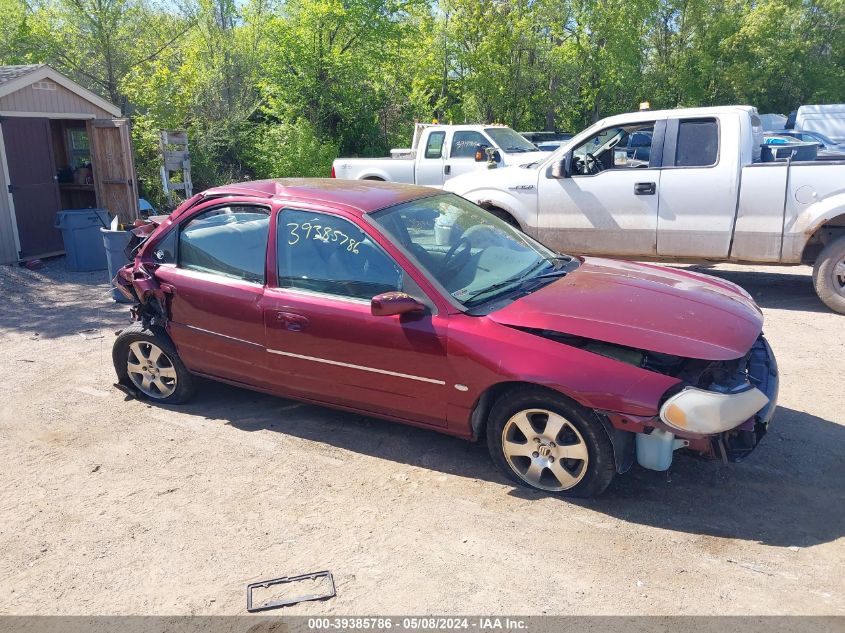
{"points": [[81, 235]]}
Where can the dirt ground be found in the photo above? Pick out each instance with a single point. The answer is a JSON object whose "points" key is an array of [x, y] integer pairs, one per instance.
{"points": [[110, 505]]}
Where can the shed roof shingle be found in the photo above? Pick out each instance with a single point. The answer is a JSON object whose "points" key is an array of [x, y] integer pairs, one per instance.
{"points": [[7, 73]]}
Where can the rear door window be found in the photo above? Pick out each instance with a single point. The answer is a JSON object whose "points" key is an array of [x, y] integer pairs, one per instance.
{"points": [[229, 240], [434, 147], [698, 143]]}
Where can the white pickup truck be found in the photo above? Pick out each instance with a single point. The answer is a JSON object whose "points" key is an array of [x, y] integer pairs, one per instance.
{"points": [[441, 152], [682, 185]]}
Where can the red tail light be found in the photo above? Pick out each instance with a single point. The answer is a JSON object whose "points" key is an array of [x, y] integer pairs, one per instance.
{"points": [[333, 174]]}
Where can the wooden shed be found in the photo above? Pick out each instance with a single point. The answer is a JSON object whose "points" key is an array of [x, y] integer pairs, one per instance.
{"points": [[61, 147]]}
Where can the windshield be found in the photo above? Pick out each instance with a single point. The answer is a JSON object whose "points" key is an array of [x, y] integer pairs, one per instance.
{"points": [[472, 254], [509, 141]]}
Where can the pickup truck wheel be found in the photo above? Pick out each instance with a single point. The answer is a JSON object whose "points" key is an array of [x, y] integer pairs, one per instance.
{"points": [[545, 441], [147, 360], [829, 275]]}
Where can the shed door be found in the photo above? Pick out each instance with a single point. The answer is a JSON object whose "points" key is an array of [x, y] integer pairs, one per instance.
{"points": [[114, 168], [33, 184]]}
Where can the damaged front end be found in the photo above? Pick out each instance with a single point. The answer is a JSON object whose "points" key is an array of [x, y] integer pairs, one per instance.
{"points": [[719, 409], [139, 286], [728, 403], [149, 297]]}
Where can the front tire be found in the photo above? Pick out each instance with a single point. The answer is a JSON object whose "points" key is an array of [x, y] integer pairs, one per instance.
{"points": [[543, 440], [829, 275], [147, 360]]}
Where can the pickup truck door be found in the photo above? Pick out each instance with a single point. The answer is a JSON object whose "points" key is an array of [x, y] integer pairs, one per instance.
{"points": [[430, 159], [608, 205], [462, 152], [699, 187]]}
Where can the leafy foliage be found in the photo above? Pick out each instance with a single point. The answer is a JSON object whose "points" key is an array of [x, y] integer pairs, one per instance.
{"points": [[270, 88]]}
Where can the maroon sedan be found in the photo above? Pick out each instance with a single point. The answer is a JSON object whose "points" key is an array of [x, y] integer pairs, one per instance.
{"points": [[417, 306]]}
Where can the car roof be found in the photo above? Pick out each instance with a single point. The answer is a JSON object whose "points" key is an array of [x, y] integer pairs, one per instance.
{"points": [[362, 196]]}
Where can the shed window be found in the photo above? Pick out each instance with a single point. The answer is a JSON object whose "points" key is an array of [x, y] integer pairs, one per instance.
{"points": [[78, 147]]}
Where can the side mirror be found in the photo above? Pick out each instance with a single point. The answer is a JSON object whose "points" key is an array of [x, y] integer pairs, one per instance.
{"points": [[561, 167], [390, 303], [496, 156]]}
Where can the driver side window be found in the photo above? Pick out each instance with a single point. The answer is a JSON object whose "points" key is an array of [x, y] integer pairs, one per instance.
{"points": [[465, 143], [328, 254], [621, 147]]}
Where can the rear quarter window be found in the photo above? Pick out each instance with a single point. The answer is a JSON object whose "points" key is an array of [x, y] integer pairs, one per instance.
{"points": [[698, 143]]}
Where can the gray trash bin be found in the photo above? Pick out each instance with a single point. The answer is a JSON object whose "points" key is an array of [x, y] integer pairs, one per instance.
{"points": [[115, 243], [81, 236]]}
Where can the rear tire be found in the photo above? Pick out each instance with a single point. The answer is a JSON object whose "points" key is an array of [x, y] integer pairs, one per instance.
{"points": [[543, 440], [829, 275], [146, 360]]}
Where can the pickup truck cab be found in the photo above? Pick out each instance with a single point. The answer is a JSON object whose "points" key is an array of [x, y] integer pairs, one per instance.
{"points": [[441, 152], [678, 185]]}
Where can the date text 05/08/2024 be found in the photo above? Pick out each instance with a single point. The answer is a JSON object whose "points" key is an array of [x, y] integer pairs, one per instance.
{"points": [[418, 623]]}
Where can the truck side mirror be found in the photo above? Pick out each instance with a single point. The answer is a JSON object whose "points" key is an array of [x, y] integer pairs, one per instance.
{"points": [[561, 168]]}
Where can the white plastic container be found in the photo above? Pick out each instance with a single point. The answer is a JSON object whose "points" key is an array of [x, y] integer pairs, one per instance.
{"points": [[654, 451]]}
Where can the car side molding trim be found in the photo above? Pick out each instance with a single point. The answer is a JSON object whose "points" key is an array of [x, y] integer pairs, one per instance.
{"points": [[361, 367], [231, 338]]}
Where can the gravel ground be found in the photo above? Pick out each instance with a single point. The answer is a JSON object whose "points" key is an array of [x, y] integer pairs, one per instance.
{"points": [[112, 506]]}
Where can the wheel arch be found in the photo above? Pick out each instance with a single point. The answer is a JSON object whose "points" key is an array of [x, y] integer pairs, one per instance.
{"points": [[622, 441], [827, 230], [494, 199], [502, 214]]}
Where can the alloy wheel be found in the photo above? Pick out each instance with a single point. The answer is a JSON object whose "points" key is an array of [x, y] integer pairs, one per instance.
{"points": [[545, 449], [151, 370]]}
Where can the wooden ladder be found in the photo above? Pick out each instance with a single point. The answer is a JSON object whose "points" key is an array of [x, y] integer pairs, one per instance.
{"points": [[175, 159]]}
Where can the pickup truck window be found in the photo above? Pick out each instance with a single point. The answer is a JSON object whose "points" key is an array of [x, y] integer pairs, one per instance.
{"points": [[434, 147], [464, 144], [698, 143], [509, 141], [614, 148]]}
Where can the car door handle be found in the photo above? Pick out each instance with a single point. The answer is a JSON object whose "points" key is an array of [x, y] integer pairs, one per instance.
{"points": [[447, 169], [291, 321], [645, 188]]}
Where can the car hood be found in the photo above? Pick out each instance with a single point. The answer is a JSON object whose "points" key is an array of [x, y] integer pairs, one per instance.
{"points": [[666, 310], [524, 158]]}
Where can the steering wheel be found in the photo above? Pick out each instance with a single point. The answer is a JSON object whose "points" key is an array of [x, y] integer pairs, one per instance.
{"points": [[591, 164], [456, 258]]}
